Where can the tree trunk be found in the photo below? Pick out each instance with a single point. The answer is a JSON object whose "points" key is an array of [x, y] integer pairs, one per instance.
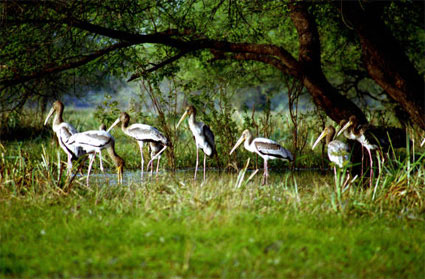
{"points": [[324, 95], [385, 60]]}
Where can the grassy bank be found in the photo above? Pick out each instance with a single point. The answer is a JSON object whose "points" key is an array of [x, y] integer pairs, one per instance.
{"points": [[173, 227]]}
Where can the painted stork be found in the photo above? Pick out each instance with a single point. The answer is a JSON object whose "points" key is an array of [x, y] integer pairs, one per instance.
{"points": [[373, 138], [204, 137], [265, 148], [338, 151], [141, 133], [63, 131], [94, 141], [352, 130]]}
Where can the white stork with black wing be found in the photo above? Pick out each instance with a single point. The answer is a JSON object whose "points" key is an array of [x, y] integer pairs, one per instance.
{"points": [[94, 141], [265, 148], [338, 151], [141, 133], [204, 137], [63, 131]]}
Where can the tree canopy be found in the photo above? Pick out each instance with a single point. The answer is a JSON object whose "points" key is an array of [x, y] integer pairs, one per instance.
{"points": [[340, 51]]}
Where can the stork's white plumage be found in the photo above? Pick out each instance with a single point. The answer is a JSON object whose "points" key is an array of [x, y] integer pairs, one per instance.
{"points": [[204, 137], [94, 141], [141, 133], [338, 151], [265, 148], [63, 131]]}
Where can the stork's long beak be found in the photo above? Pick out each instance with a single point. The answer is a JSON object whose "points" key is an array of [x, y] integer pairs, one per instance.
{"points": [[52, 110], [185, 114], [322, 135], [349, 123], [113, 125], [240, 140], [423, 142]]}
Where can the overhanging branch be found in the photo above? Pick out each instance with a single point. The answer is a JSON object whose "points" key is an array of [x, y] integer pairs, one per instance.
{"points": [[157, 66], [273, 61], [59, 68]]}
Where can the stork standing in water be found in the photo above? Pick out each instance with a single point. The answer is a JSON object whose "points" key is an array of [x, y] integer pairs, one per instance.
{"points": [[141, 133], [63, 131], [204, 137], [265, 148], [337, 150], [94, 141]]}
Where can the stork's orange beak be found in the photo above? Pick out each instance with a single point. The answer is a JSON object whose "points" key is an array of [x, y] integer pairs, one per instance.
{"points": [[349, 123], [52, 110], [322, 135], [114, 124], [185, 114], [239, 142]]}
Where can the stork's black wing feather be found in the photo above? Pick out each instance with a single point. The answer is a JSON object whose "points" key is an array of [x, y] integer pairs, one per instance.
{"points": [[209, 136]]}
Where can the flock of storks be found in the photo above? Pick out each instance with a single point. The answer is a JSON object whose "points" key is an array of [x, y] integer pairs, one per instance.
{"points": [[76, 144]]}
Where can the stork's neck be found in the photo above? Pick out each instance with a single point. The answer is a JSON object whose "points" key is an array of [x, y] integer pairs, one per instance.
{"points": [[330, 137], [191, 120], [58, 117], [248, 143], [114, 156], [124, 124]]}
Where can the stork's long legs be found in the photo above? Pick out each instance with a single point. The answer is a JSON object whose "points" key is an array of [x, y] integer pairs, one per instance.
{"points": [[151, 163], [205, 160], [91, 156], [69, 165], [157, 165], [266, 173], [141, 156], [147, 167], [371, 166], [197, 159], [158, 155], [362, 159], [100, 161]]}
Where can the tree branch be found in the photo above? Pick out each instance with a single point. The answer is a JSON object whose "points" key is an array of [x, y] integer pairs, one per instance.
{"points": [[59, 68], [218, 55], [157, 66]]}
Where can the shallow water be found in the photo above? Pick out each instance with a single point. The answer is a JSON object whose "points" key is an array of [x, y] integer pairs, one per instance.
{"points": [[134, 176]]}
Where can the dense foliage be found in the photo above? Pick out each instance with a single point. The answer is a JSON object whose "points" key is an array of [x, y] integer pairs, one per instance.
{"points": [[56, 48]]}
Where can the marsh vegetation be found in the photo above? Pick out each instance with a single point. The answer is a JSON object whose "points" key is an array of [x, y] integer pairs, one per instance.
{"points": [[303, 223]]}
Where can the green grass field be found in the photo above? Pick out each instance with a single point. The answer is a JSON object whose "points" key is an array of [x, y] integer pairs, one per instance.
{"points": [[173, 227], [302, 225]]}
